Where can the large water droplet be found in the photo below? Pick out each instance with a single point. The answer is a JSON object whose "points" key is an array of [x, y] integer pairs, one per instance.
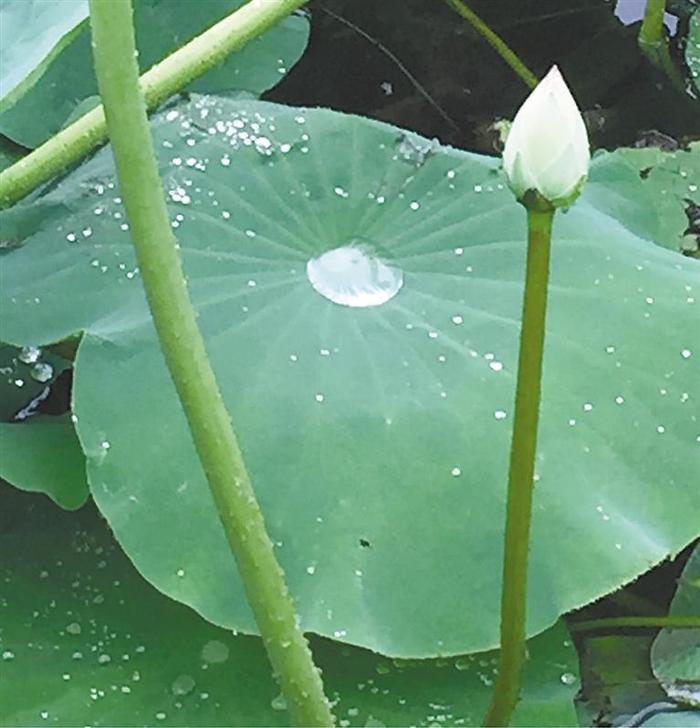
{"points": [[354, 276]]}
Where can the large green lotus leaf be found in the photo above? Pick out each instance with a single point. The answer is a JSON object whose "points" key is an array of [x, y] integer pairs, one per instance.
{"points": [[161, 28], [675, 654], [43, 454], [31, 33], [377, 436], [86, 641]]}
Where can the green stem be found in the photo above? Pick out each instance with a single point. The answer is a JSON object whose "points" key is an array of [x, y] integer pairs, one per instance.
{"points": [[652, 42], [186, 357], [496, 42], [651, 31], [522, 469], [164, 79], [671, 621]]}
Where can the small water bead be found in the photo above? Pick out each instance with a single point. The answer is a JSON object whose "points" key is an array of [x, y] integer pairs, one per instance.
{"points": [[279, 702], [587, 407], [180, 573], [71, 237], [497, 366], [8, 655], [354, 276], [74, 628], [414, 205], [264, 146], [41, 372], [478, 188], [686, 353], [215, 652], [182, 685], [660, 429], [311, 569], [104, 659], [457, 320], [568, 678], [319, 397], [161, 716], [619, 399], [341, 192], [456, 472], [500, 414], [29, 354]]}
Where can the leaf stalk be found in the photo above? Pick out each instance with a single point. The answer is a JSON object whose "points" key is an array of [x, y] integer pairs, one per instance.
{"points": [[185, 354], [654, 45], [672, 621], [522, 471]]}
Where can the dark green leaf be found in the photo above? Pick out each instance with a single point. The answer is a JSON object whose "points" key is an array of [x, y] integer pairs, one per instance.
{"points": [[43, 454], [85, 640]]}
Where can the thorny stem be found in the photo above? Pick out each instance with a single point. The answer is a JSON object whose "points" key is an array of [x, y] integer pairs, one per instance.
{"points": [[187, 360], [496, 42], [652, 42], [160, 82], [522, 469], [671, 621]]}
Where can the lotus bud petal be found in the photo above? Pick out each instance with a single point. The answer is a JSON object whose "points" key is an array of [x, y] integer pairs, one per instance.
{"points": [[546, 154]]}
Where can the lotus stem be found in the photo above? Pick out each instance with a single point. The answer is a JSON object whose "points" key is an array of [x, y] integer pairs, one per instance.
{"points": [[522, 470], [189, 366]]}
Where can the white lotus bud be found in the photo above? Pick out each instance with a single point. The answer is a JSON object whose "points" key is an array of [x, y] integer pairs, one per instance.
{"points": [[546, 151]]}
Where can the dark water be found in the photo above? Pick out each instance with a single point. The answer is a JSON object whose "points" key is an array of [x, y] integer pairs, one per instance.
{"points": [[417, 64]]}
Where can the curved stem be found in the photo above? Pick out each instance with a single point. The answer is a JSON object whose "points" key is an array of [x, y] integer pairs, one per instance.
{"points": [[522, 470], [164, 79], [652, 28], [187, 360], [496, 42], [652, 42], [671, 621]]}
